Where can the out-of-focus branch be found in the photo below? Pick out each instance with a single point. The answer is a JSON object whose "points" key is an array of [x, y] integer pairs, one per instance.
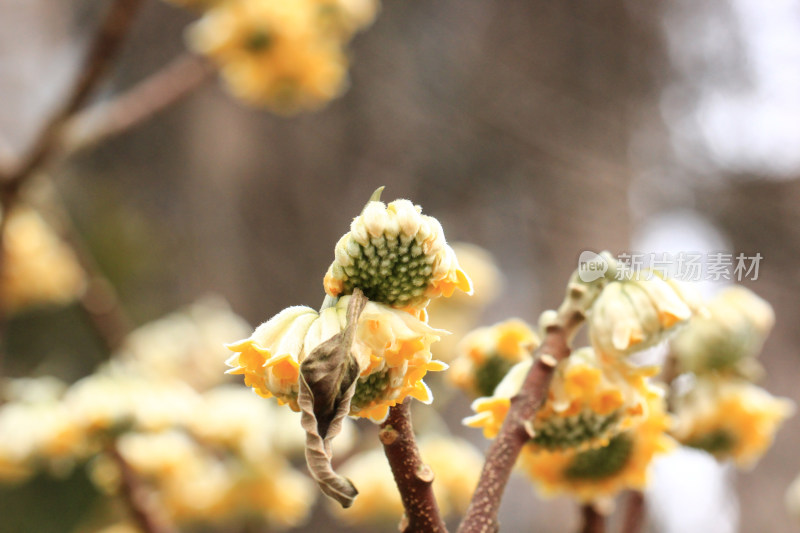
{"points": [[149, 97], [140, 505], [413, 477], [593, 521], [103, 49], [635, 512]]}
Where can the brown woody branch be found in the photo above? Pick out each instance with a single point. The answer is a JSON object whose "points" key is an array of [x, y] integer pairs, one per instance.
{"points": [[137, 498], [413, 477], [635, 512], [103, 49], [149, 97], [593, 521], [481, 515]]}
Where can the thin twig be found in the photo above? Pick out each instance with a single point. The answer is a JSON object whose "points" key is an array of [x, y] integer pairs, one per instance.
{"points": [[414, 478], [593, 522], [481, 515], [136, 497], [635, 512], [103, 50], [149, 97]]}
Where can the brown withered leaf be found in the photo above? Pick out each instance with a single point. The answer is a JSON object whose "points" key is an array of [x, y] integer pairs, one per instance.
{"points": [[328, 378]]}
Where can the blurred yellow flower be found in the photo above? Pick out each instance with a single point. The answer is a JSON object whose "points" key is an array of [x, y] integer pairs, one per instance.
{"points": [[730, 419], [392, 349], [273, 53], [185, 345], [731, 334], [487, 354], [38, 268], [793, 499], [600, 473], [589, 402], [636, 313], [397, 256], [346, 17], [461, 312]]}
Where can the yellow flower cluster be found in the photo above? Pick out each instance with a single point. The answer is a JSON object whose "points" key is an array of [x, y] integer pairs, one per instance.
{"points": [[598, 474], [637, 313], [397, 256], [400, 259], [211, 451], [457, 465], [392, 349], [730, 419], [38, 268], [288, 56], [729, 337], [589, 402], [487, 354]]}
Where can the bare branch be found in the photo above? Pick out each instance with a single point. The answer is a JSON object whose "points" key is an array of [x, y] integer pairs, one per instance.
{"points": [[149, 97], [103, 49], [593, 522], [414, 478], [635, 512]]}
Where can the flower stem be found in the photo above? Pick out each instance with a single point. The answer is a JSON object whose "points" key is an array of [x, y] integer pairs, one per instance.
{"points": [[481, 515], [635, 512], [414, 478], [593, 522]]}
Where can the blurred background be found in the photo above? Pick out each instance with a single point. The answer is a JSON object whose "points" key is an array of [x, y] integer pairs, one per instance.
{"points": [[533, 129]]}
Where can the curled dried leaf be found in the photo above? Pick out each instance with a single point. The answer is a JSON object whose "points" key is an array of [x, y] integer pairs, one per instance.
{"points": [[328, 378]]}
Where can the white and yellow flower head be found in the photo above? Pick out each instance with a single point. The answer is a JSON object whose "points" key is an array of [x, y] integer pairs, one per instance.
{"points": [[598, 474], [793, 500], [195, 484], [35, 435], [730, 418], [589, 402], [636, 313], [397, 256], [185, 345], [38, 267], [733, 332], [392, 349], [273, 53], [485, 355], [346, 17], [456, 465]]}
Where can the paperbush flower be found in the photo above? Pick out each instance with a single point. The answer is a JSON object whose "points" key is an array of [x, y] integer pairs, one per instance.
{"points": [[185, 345], [273, 53], [195, 484], [589, 402], [346, 17], [728, 337], [793, 499], [730, 419], [600, 473], [38, 268], [397, 256], [634, 314], [392, 349], [487, 354]]}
